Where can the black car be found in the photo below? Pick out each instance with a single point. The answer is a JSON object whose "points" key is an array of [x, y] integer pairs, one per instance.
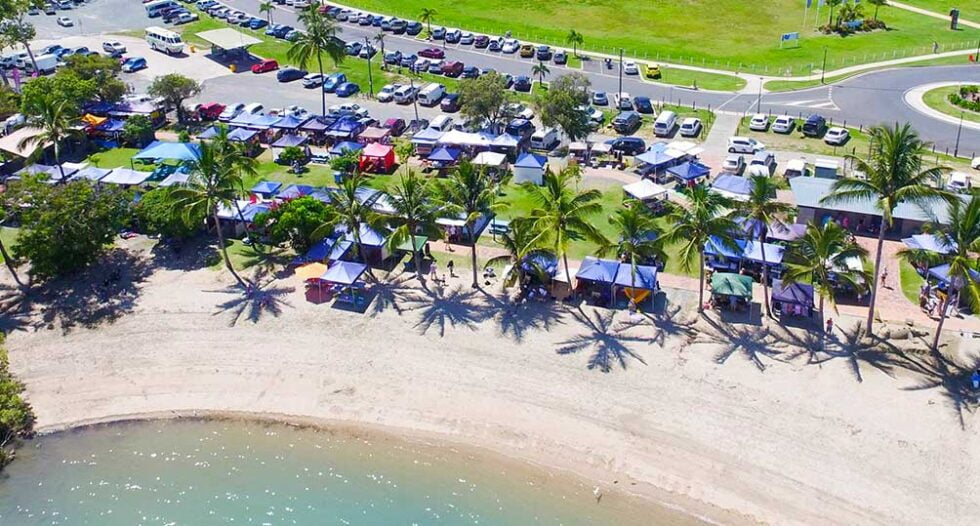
{"points": [[450, 103], [643, 104], [481, 41], [627, 122], [471, 72], [281, 31], [522, 83], [628, 145], [413, 28], [289, 74], [543, 53], [561, 58], [814, 126]]}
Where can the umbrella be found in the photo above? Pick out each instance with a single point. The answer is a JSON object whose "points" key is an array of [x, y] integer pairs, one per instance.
{"points": [[311, 271]]}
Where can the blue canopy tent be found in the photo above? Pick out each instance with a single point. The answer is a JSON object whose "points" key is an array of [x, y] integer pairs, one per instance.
{"points": [[714, 247], [209, 133], [350, 146], [317, 125], [929, 243], [689, 171], [941, 273], [732, 186], [345, 273], [646, 277], [369, 236], [751, 228], [345, 128], [295, 191], [179, 151], [289, 122], [530, 168], [327, 249], [795, 299], [288, 140], [753, 251], [601, 275], [254, 121], [544, 262], [373, 244], [242, 135], [111, 127], [266, 189], [253, 209], [444, 156]]}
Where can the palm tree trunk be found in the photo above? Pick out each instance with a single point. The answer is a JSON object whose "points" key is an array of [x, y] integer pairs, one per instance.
{"points": [[7, 260], [224, 249], [323, 94], [765, 274], [701, 283], [415, 252], [27, 47], [874, 283], [473, 254], [822, 331], [384, 63], [568, 275], [942, 320], [876, 12]]}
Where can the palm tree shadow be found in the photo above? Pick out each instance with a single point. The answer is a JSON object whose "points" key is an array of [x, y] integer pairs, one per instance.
{"points": [[859, 349], [670, 322], [454, 307], [952, 380], [606, 339], [252, 304], [754, 341], [515, 320], [392, 292]]}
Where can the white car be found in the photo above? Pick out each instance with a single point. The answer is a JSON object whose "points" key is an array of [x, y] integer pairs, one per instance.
{"points": [[759, 122], [630, 68], [231, 111], [301, 4], [690, 127], [253, 108], [113, 47], [510, 46], [466, 39], [64, 21], [387, 93], [734, 164], [185, 18], [975, 163], [519, 111], [783, 124], [959, 182], [836, 136], [347, 109], [744, 145]]}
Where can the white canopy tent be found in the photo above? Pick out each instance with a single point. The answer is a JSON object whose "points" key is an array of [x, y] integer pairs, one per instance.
{"points": [[646, 190], [490, 160], [461, 138]]}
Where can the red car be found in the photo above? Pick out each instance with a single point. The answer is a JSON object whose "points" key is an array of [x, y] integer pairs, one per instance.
{"points": [[432, 52], [452, 68], [397, 126], [264, 66], [210, 111]]}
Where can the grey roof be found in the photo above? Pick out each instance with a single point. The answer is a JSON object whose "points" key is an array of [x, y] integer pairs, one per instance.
{"points": [[808, 191]]}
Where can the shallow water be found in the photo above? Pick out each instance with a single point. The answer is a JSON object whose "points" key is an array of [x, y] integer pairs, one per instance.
{"points": [[238, 472]]}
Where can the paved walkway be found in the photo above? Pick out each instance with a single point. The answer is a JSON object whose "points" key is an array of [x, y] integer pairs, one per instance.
{"points": [[933, 14]]}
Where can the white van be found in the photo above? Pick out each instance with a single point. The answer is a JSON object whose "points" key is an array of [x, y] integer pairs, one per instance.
{"points": [[46, 64], [665, 123], [164, 40], [431, 94], [153, 8], [442, 123], [405, 94], [544, 139]]}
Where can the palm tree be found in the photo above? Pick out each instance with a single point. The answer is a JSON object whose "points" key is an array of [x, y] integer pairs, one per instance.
{"points": [[427, 15], [414, 210], [575, 39], [820, 258], [832, 4], [877, 4], [214, 183], [237, 158], [637, 230], [521, 241], [541, 71], [352, 212], [267, 8], [894, 175], [467, 192], [960, 234], [380, 39], [320, 37], [55, 123], [564, 213], [704, 219], [761, 210]]}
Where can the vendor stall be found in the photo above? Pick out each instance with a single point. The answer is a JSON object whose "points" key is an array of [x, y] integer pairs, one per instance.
{"points": [[596, 279], [731, 291], [530, 167], [732, 187], [637, 283], [374, 135], [646, 192], [378, 158], [795, 299], [689, 173]]}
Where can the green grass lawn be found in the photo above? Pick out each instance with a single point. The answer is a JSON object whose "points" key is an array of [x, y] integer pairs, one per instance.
{"points": [[938, 99], [689, 78], [723, 34], [968, 10], [796, 142], [790, 85], [574, 61], [117, 158], [8, 235], [911, 281]]}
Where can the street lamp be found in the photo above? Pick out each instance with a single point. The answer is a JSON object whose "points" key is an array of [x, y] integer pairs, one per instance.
{"points": [[959, 128], [367, 42], [758, 105], [620, 76], [823, 68]]}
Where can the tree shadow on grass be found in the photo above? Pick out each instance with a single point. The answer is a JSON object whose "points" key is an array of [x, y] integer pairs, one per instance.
{"points": [[455, 307], [606, 339], [261, 299]]}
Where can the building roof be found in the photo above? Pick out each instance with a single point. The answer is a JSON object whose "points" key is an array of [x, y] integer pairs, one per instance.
{"points": [[11, 143], [228, 38], [809, 191]]}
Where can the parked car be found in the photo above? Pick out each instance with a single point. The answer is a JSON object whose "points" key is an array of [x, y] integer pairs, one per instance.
{"points": [[522, 83], [387, 93], [450, 103], [231, 111], [113, 47], [628, 145], [393, 57], [527, 51], [495, 45], [599, 98], [347, 89], [453, 36], [510, 46], [432, 52], [466, 39], [367, 51], [836, 136], [759, 122], [253, 108], [332, 81], [398, 27], [561, 58], [188, 17], [452, 68], [409, 60], [814, 126], [471, 72], [64, 21], [959, 182], [290, 74], [543, 53], [764, 159], [210, 111], [435, 67], [265, 65], [339, 110], [481, 41], [623, 101], [652, 71], [397, 126], [413, 28], [421, 65], [783, 124], [257, 23], [643, 105], [313, 80], [438, 33], [734, 164], [744, 145], [133, 64], [627, 122], [630, 68], [691, 127]]}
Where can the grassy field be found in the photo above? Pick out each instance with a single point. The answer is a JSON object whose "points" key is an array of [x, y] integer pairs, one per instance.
{"points": [[724, 34], [796, 142], [911, 281], [790, 85], [8, 235], [938, 99], [117, 158], [690, 78], [969, 10]]}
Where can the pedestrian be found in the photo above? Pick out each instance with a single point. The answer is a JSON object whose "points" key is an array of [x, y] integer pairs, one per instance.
{"points": [[935, 47], [434, 271], [884, 277], [830, 325], [451, 266], [446, 234]]}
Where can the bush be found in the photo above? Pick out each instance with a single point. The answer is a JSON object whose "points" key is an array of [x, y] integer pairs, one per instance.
{"points": [[292, 155], [966, 98], [184, 136], [138, 130], [294, 222], [16, 415], [157, 216]]}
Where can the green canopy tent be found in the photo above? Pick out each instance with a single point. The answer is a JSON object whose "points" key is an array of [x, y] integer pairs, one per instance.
{"points": [[733, 290]]}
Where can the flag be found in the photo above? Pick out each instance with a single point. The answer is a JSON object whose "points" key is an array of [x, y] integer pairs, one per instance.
{"points": [[809, 3]]}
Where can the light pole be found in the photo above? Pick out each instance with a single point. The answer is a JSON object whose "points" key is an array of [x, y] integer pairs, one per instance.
{"points": [[823, 68], [758, 104], [620, 76], [367, 42], [959, 128], [415, 99]]}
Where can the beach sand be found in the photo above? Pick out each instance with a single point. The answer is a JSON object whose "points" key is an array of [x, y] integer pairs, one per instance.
{"points": [[735, 433]]}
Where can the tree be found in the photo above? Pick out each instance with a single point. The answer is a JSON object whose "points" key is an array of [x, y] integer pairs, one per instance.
{"points": [[637, 230], [352, 212], [346, 162], [67, 227], [895, 175], [427, 15], [380, 39], [541, 71], [849, 12], [214, 183], [156, 215], [877, 4], [522, 241], [9, 101], [16, 415], [576, 39], [267, 8], [561, 105], [65, 86], [959, 234], [820, 258], [291, 155], [468, 192], [320, 37], [564, 213], [485, 97], [833, 4], [761, 210], [137, 130], [174, 88], [414, 213], [9, 203], [56, 125], [704, 219], [102, 71], [296, 222], [14, 29]]}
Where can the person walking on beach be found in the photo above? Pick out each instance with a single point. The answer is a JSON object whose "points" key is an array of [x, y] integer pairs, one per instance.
{"points": [[434, 272], [830, 325], [451, 265]]}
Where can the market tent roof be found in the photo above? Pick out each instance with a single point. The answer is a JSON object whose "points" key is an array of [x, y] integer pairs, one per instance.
{"points": [[340, 147], [598, 270], [289, 122], [714, 247], [751, 227], [941, 273], [645, 189], [53, 172], [798, 293], [728, 284], [602, 147], [209, 133], [316, 124], [374, 134], [732, 184], [689, 171], [344, 272], [125, 176], [311, 271], [445, 155], [242, 135], [343, 128], [377, 150], [253, 209], [655, 158], [369, 236], [91, 173], [92, 120], [175, 179], [266, 187], [288, 140], [505, 140], [418, 241], [646, 277], [490, 159], [809, 191], [531, 160], [294, 191], [183, 151], [930, 243], [784, 232], [10, 143], [111, 126], [461, 138], [428, 136], [228, 38], [326, 249], [754, 250]]}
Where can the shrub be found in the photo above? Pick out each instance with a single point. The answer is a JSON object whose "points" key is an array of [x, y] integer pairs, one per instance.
{"points": [[291, 155], [294, 222], [16, 415], [156, 215]]}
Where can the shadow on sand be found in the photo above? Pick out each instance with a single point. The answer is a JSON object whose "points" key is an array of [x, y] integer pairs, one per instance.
{"points": [[606, 339]]}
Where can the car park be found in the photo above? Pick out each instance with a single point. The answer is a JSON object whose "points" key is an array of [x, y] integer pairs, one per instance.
{"points": [[133, 64], [113, 47], [387, 93], [643, 105], [481, 41], [522, 83], [527, 51], [691, 127], [744, 145], [836, 136], [734, 164], [453, 36], [64, 21], [290, 74], [450, 103], [265, 66], [814, 126], [347, 89], [397, 126], [599, 98], [630, 68], [783, 124], [393, 57], [560, 58], [627, 122], [254, 108], [471, 72], [623, 101], [432, 52], [466, 39], [510, 46], [332, 81], [763, 159], [313, 80], [627, 145]]}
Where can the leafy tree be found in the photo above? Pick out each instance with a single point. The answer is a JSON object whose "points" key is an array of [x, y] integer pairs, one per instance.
{"points": [[8, 203], [637, 230], [352, 211], [67, 227], [295, 221], [174, 88], [762, 210], [16, 415], [9, 101], [895, 175], [427, 15], [346, 162], [467, 192], [693, 226], [833, 4], [541, 70], [576, 39], [56, 125], [414, 212], [156, 215], [137, 130], [267, 8], [522, 241], [65, 86], [564, 213], [14, 28], [292, 155], [561, 105], [102, 71], [485, 97], [319, 38]]}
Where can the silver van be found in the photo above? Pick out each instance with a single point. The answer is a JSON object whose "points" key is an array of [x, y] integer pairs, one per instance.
{"points": [[665, 123]]}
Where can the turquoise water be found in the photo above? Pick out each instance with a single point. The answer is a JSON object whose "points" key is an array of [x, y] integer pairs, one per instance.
{"points": [[235, 472]]}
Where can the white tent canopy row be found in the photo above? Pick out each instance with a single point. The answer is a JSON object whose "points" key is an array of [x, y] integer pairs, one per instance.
{"points": [[461, 138], [646, 190], [490, 159]]}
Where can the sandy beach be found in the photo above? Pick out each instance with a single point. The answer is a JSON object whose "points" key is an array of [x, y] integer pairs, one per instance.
{"points": [[720, 420]]}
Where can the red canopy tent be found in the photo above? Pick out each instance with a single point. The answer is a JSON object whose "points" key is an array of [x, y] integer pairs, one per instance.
{"points": [[377, 158]]}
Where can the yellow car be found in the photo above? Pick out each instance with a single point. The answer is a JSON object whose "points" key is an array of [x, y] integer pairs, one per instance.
{"points": [[652, 71], [527, 51]]}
